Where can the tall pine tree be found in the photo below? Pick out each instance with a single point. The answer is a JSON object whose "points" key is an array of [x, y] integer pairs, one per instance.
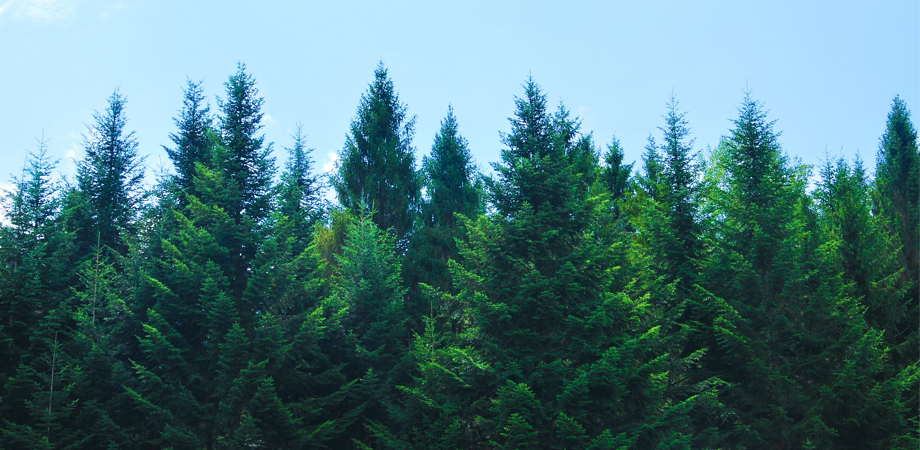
{"points": [[109, 178], [376, 168]]}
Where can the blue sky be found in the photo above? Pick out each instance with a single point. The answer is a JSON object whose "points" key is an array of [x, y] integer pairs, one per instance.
{"points": [[827, 71]]}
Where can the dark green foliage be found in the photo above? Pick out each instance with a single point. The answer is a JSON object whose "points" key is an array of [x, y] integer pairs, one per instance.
{"points": [[192, 144], [298, 194], [782, 328], [377, 164], [898, 202], [715, 303], [615, 174], [245, 158], [109, 178], [454, 189]]}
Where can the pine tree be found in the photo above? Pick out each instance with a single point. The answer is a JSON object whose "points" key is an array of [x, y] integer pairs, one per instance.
{"points": [[897, 181], [575, 360], [109, 177], [376, 168], [298, 194], [245, 158], [780, 326], [615, 174], [453, 187], [192, 144]]}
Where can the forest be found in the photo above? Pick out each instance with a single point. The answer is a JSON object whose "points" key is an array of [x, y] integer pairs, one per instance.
{"points": [[569, 300]]}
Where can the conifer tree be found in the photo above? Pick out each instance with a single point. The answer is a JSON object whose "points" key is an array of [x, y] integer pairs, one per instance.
{"points": [[575, 363], [679, 176], [298, 194], [245, 158], [109, 178], [780, 327], [897, 181], [376, 168], [192, 144], [615, 174], [453, 187]]}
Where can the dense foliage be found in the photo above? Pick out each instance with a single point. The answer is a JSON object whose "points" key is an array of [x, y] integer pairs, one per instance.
{"points": [[711, 300]]}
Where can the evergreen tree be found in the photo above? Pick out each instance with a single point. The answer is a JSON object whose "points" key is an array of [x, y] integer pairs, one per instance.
{"points": [[245, 158], [376, 168], [576, 363], [453, 187], [615, 174], [679, 176], [192, 144], [109, 177], [897, 180], [780, 327], [298, 194]]}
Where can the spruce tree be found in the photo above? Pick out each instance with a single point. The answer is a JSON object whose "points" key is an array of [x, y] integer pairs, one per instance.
{"points": [[679, 176], [298, 194], [897, 181], [192, 144], [615, 174], [109, 177], [576, 362], [780, 327], [376, 168], [245, 158], [453, 188]]}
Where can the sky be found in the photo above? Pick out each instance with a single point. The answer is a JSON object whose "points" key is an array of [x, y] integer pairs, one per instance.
{"points": [[826, 71]]}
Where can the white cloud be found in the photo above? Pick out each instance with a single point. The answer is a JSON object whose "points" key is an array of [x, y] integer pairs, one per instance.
{"points": [[48, 10], [267, 118], [53, 11], [333, 160], [5, 7]]}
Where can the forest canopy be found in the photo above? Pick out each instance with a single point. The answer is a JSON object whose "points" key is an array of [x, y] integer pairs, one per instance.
{"points": [[713, 298]]}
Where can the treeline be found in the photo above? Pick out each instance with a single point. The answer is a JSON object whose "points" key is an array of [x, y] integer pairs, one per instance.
{"points": [[569, 301]]}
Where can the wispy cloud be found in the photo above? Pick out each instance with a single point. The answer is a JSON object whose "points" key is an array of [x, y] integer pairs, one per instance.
{"points": [[332, 158], [5, 7], [48, 10], [54, 11]]}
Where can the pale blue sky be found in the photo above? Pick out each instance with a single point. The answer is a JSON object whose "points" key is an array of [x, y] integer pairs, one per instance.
{"points": [[827, 71]]}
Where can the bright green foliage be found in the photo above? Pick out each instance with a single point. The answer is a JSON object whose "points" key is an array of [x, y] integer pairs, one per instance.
{"points": [[367, 298], [715, 303], [109, 177], [377, 164], [780, 325]]}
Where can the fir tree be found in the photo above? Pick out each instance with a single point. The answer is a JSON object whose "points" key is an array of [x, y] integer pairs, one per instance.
{"points": [[192, 144], [377, 165], [897, 180], [109, 177], [453, 188], [245, 159], [298, 194]]}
